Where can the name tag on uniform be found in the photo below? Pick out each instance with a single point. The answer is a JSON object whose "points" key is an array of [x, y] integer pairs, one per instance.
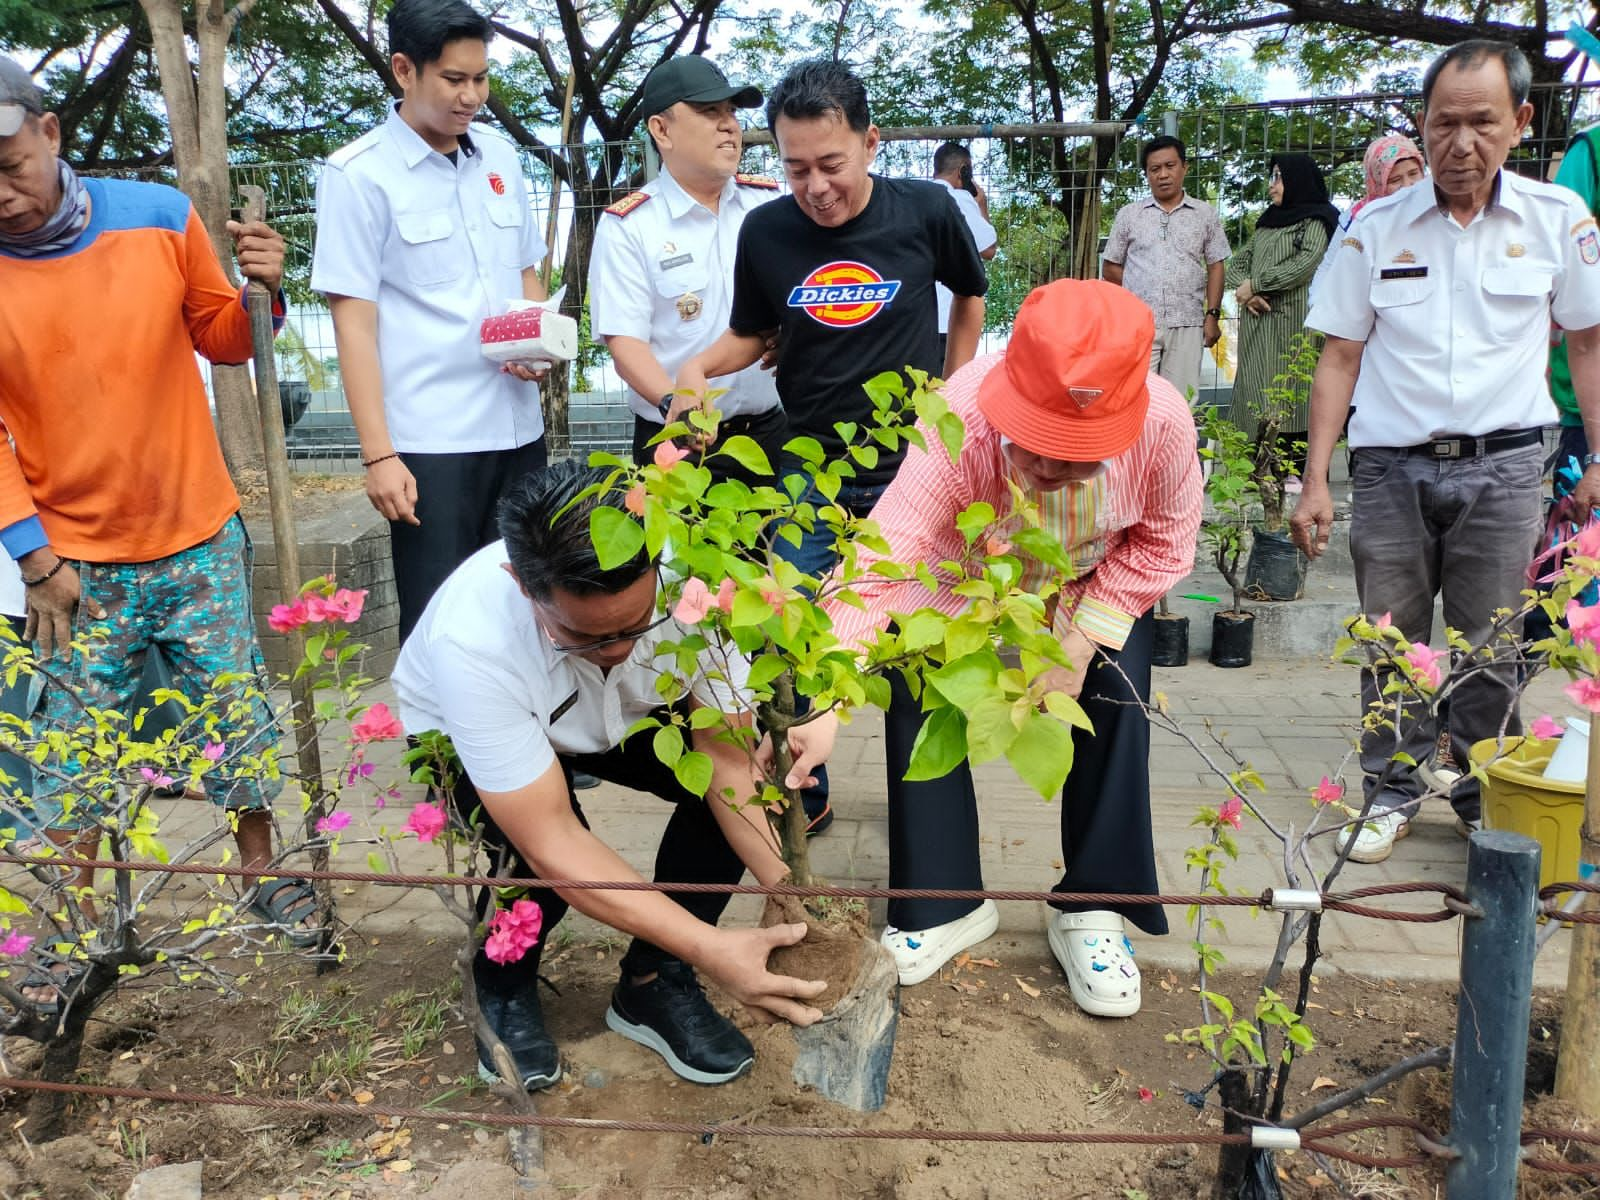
{"points": [[563, 708], [1403, 273], [677, 260]]}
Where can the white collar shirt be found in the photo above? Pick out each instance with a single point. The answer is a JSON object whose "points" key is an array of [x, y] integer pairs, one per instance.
{"points": [[480, 667], [663, 274], [1165, 256], [983, 236], [437, 246], [1456, 319]]}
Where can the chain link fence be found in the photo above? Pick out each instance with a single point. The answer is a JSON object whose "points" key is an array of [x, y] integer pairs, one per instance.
{"points": [[1049, 197]]}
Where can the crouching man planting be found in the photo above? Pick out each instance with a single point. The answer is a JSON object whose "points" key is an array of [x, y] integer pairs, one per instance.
{"points": [[536, 663]]}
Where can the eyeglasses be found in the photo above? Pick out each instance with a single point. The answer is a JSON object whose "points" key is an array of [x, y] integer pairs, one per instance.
{"points": [[630, 635], [1277, 175]]}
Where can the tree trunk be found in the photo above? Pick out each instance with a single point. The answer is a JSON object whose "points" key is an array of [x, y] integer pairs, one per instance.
{"points": [[1234, 1093]]}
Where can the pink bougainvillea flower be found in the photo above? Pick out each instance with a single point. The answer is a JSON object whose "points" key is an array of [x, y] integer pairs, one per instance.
{"points": [[1146, 1095], [1587, 542], [333, 822], [634, 500], [773, 595], [1327, 791], [377, 724], [513, 931], [345, 605], [1384, 623], [1231, 811], [725, 593], [1585, 693], [317, 607], [669, 455], [695, 602], [213, 750], [1426, 661], [356, 770], [1584, 621], [995, 547], [285, 618], [16, 944], [155, 778], [1546, 727], [427, 821]]}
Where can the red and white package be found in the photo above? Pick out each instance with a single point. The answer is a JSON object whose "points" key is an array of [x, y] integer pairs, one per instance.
{"points": [[529, 335]]}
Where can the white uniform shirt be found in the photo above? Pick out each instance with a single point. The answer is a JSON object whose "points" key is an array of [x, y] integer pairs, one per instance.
{"points": [[663, 273], [438, 247], [1456, 320], [480, 667], [983, 236]]}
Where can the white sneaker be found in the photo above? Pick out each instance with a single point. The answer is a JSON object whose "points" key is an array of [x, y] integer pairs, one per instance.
{"points": [[919, 953], [1375, 838], [1097, 956]]}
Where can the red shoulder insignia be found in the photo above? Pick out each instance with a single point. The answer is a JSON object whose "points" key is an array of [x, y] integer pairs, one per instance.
{"points": [[628, 203], [759, 181]]}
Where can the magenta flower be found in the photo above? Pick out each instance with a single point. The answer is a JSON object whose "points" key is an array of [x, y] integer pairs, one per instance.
{"points": [[695, 602], [286, 618], [213, 750], [356, 770], [1146, 1095], [1584, 621], [513, 931], [16, 944], [333, 822], [377, 724], [1585, 693], [1546, 727], [427, 821], [1587, 543], [1231, 811], [1426, 661], [155, 778], [668, 455], [1327, 791]]}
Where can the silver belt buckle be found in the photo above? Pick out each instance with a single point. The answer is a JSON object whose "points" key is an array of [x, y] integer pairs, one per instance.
{"points": [[1448, 448]]}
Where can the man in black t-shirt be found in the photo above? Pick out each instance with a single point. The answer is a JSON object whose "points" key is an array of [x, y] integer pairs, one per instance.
{"points": [[844, 268]]}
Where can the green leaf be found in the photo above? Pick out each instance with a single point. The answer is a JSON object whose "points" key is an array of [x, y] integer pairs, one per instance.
{"points": [[974, 519], [617, 537], [747, 452], [941, 744], [706, 718], [694, 772], [1042, 754], [765, 669], [991, 729], [964, 637], [749, 609], [1064, 708], [923, 629], [806, 449], [968, 679], [668, 745]]}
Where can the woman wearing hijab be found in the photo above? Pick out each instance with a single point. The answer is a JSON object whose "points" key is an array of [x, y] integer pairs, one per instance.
{"points": [[1390, 163], [1271, 277]]}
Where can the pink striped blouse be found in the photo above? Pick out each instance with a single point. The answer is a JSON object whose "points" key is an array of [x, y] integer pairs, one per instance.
{"points": [[1130, 531]]}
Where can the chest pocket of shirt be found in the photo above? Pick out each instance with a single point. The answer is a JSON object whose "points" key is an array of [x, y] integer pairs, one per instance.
{"points": [[507, 222], [1518, 299], [425, 249], [1394, 295], [682, 282]]}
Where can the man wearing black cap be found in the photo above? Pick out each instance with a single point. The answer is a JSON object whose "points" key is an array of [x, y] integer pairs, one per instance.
{"points": [[661, 275]]}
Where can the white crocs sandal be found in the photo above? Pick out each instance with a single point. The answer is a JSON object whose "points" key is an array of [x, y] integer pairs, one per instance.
{"points": [[1098, 958], [919, 953]]}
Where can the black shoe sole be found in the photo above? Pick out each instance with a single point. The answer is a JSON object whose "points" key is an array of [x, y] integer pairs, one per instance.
{"points": [[652, 1040]]}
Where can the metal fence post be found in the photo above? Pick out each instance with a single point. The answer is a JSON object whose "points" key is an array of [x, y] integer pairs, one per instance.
{"points": [[1491, 1052], [1169, 123]]}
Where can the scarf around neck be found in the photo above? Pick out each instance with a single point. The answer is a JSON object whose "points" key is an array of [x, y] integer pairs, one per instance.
{"points": [[62, 228]]}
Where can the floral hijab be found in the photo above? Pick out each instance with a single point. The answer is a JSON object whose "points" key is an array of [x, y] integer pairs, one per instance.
{"points": [[1381, 158]]}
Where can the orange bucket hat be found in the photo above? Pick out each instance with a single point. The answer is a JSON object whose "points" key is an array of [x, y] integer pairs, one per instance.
{"points": [[1072, 385]]}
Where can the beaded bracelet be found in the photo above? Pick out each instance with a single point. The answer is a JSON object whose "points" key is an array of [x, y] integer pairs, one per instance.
{"points": [[370, 462], [50, 574]]}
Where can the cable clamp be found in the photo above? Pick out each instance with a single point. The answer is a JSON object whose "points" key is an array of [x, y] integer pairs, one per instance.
{"points": [[1294, 900], [1270, 1137]]}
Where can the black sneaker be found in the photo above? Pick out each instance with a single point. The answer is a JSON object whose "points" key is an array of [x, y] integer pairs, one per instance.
{"points": [[672, 1016], [582, 781], [518, 1022]]}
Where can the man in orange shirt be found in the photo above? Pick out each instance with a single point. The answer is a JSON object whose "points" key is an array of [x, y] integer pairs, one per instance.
{"points": [[114, 498]]}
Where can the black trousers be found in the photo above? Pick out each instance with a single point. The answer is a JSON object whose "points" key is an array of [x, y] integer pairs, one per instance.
{"points": [[692, 850], [1106, 842], [458, 501], [769, 429]]}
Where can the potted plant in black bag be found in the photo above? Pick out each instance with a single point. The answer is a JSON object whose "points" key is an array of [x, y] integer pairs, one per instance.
{"points": [[1276, 569], [1231, 489], [1171, 645]]}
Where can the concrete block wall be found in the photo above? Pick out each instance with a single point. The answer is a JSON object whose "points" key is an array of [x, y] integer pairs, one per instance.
{"points": [[351, 543]]}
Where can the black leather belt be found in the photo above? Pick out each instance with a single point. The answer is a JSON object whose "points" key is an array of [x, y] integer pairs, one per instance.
{"points": [[1471, 447]]}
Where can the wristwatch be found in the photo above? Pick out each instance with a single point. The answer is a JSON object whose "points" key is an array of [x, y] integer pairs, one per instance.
{"points": [[1214, 312], [1590, 460], [665, 406]]}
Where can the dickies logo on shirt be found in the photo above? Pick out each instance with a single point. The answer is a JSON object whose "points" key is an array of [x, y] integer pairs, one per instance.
{"points": [[496, 184], [843, 294]]}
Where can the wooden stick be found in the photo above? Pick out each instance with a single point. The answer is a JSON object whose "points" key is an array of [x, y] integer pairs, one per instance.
{"points": [[1578, 1068]]}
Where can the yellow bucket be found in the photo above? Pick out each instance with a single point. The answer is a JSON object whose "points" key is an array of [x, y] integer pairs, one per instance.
{"points": [[1519, 798]]}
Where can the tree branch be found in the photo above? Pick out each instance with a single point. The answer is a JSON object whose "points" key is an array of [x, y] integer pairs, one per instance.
{"points": [[1439, 1056]]}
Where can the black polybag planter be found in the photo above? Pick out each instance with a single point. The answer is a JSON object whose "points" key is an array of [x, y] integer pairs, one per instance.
{"points": [[1232, 638], [1171, 645], [1276, 570]]}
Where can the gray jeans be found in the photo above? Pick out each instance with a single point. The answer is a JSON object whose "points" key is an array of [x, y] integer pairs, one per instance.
{"points": [[1466, 527]]}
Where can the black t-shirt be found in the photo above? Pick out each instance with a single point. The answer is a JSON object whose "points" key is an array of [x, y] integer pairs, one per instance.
{"points": [[852, 301]]}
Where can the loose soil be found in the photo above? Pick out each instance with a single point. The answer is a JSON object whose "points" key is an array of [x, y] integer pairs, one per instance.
{"points": [[994, 1043]]}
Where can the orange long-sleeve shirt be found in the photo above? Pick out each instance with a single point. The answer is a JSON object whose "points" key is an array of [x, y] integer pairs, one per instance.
{"points": [[114, 446]]}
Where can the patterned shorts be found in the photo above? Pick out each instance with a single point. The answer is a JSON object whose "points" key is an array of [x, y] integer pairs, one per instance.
{"points": [[195, 606]]}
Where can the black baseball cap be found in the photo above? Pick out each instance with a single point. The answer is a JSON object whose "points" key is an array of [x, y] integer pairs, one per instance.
{"points": [[691, 77], [19, 96]]}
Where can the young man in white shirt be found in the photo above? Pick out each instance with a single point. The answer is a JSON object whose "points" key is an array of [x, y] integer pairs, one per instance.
{"points": [[424, 228], [536, 662], [952, 166]]}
